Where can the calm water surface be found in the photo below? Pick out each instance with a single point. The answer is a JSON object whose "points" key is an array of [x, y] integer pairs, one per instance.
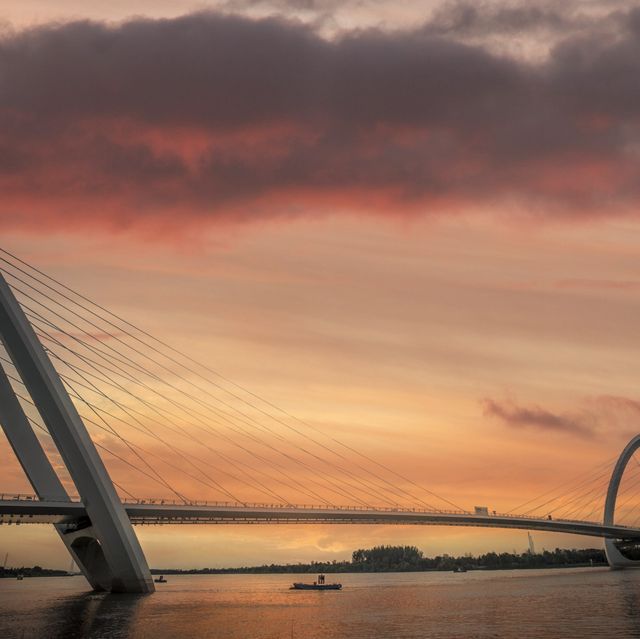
{"points": [[575, 603]]}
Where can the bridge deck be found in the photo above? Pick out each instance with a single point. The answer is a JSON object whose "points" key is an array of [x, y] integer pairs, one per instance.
{"points": [[31, 511]]}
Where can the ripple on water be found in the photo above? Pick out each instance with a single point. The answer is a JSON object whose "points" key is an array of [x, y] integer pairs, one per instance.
{"points": [[572, 603]]}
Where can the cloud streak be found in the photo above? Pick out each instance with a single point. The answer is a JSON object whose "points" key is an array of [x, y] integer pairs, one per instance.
{"points": [[614, 414], [214, 117], [536, 418]]}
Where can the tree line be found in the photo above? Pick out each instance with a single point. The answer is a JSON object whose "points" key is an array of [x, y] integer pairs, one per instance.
{"points": [[412, 559], [32, 571]]}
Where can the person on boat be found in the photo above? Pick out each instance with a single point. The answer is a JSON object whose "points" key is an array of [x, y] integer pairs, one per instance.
{"points": [[321, 580]]}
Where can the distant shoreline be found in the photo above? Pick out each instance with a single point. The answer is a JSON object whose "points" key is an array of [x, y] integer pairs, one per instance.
{"points": [[293, 570], [382, 559], [410, 559]]}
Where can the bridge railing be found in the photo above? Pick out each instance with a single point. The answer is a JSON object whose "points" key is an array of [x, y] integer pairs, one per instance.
{"points": [[17, 497], [275, 506], [320, 507], [29, 497], [330, 507]]}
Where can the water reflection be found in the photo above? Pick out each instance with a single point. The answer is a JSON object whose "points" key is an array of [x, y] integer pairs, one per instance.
{"points": [[568, 603], [630, 600], [87, 615]]}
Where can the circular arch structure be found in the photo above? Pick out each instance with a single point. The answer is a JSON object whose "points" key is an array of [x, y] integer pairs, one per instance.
{"points": [[615, 558]]}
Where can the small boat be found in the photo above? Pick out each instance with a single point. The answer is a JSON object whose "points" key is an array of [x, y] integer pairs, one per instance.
{"points": [[459, 569], [19, 576], [316, 585], [160, 580]]}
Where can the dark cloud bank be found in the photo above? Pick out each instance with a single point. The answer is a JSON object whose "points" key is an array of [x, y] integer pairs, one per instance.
{"points": [[222, 116]]}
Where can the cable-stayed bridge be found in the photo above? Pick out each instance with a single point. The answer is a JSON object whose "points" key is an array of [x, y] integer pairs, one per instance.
{"points": [[99, 413], [25, 509]]}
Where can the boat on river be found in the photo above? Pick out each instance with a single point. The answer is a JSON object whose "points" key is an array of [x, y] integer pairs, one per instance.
{"points": [[319, 584]]}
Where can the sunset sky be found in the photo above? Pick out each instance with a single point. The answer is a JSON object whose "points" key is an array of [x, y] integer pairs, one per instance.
{"points": [[412, 225]]}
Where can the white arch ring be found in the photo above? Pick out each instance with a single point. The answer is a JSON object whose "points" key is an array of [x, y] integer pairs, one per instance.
{"points": [[615, 558]]}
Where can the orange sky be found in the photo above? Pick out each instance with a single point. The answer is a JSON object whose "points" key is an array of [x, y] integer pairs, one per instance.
{"points": [[462, 309], [390, 336]]}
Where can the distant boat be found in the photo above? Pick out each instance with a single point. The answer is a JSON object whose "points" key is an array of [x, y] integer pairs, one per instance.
{"points": [[160, 580], [316, 585], [459, 569], [19, 576]]}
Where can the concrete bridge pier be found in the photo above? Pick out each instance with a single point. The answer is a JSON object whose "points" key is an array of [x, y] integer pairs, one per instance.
{"points": [[85, 548], [617, 561], [47, 485]]}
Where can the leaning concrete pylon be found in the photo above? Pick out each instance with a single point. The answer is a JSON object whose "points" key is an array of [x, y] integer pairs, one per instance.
{"points": [[104, 545], [44, 479]]}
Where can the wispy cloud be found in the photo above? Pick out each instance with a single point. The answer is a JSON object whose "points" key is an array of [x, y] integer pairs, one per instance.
{"points": [[537, 418], [597, 284], [613, 414]]}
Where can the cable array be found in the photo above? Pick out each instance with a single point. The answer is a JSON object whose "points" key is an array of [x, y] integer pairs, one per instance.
{"points": [[172, 427], [583, 497], [169, 425]]}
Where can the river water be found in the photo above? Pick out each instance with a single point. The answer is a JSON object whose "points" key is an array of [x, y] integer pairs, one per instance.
{"points": [[573, 603]]}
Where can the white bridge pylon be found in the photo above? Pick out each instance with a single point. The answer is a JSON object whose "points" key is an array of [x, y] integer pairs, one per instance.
{"points": [[101, 540], [97, 530], [615, 557]]}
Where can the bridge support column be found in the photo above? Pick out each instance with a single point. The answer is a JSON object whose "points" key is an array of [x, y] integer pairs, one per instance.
{"points": [[42, 476], [615, 557], [617, 561], [108, 551]]}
